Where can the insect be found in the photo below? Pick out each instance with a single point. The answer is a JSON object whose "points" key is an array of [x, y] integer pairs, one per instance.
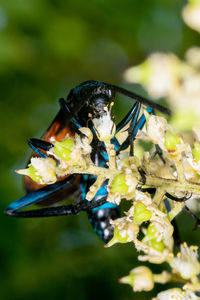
{"points": [[85, 102]]}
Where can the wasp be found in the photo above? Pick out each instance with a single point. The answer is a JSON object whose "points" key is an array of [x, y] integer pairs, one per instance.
{"points": [[84, 103]]}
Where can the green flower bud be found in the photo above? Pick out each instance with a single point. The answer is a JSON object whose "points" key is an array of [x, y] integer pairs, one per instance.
{"points": [[118, 185], [150, 234], [171, 141], [63, 149], [196, 152], [151, 231], [117, 238], [125, 233], [31, 172], [128, 279], [151, 239], [141, 213], [158, 246]]}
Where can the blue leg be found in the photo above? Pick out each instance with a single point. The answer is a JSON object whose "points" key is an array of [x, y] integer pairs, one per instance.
{"points": [[127, 118], [122, 124], [132, 116], [133, 129]]}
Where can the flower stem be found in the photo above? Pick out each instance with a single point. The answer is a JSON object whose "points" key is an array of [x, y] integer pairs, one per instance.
{"points": [[172, 185]]}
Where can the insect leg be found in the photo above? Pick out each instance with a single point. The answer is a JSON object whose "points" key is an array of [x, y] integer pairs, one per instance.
{"points": [[174, 198], [64, 210], [147, 190], [182, 199], [127, 118], [133, 128], [130, 115], [159, 152]]}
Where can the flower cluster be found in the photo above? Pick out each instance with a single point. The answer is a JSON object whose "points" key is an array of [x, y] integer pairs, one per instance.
{"points": [[157, 188], [147, 224]]}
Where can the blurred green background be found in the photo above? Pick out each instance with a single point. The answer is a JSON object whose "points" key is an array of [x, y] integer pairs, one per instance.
{"points": [[47, 48]]}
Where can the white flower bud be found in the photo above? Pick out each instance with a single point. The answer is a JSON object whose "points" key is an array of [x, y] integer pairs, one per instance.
{"points": [[140, 278], [105, 127], [45, 168]]}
